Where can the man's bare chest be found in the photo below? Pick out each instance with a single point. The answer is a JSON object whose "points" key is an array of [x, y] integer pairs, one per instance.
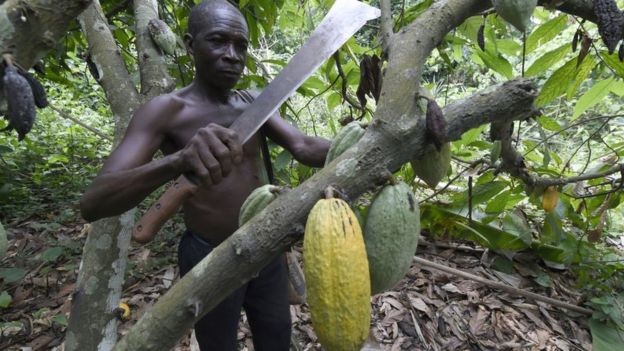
{"points": [[183, 126]]}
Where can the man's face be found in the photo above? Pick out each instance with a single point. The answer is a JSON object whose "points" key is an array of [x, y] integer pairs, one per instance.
{"points": [[220, 48]]}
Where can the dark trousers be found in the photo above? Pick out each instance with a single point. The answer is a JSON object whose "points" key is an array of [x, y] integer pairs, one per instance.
{"points": [[264, 298]]}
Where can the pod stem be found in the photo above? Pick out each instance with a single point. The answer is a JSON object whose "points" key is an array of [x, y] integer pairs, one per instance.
{"points": [[329, 192]]}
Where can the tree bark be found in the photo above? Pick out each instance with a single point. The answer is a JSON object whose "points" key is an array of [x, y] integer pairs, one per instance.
{"points": [[29, 29], [155, 78], [93, 322]]}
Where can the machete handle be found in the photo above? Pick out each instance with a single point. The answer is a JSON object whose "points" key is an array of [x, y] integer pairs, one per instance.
{"points": [[167, 205]]}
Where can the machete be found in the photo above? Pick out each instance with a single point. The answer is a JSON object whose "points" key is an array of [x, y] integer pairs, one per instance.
{"points": [[342, 21]]}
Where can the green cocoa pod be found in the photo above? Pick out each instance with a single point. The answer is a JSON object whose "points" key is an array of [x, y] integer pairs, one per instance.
{"points": [[516, 12], [257, 201], [162, 35], [346, 137], [21, 110], [391, 235], [433, 165], [4, 243]]}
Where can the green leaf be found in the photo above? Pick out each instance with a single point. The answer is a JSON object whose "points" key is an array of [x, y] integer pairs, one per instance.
{"points": [[557, 84], [546, 32], [605, 337], [614, 62], [52, 254], [592, 96], [497, 63], [5, 299], [582, 72], [440, 220], [548, 123], [617, 88], [11, 275], [548, 60], [60, 319], [480, 193], [516, 224], [333, 100]]}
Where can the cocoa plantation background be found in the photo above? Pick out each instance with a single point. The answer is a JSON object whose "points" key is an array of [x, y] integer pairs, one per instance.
{"points": [[522, 188]]}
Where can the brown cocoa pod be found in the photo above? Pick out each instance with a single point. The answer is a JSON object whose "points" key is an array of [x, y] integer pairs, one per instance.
{"points": [[610, 21], [481, 37], [41, 98], [21, 110], [435, 124]]}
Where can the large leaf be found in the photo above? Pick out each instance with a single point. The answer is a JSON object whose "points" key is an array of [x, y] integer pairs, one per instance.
{"points": [[439, 220], [480, 193], [546, 32], [548, 60], [497, 63], [582, 72], [558, 83], [614, 62], [593, 96], [606, 337]]}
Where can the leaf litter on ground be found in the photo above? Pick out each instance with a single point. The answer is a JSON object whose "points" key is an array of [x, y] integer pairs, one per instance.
{"points": [[427, 310]]}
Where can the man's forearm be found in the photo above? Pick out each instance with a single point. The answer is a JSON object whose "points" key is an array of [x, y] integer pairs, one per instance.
{"points": [[113, 193], [313, 152]]}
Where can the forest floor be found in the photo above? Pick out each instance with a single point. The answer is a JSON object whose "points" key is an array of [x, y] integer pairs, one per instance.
{"points": [[427, 310]]}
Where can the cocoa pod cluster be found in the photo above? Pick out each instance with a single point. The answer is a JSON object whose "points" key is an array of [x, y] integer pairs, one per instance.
{"points": [[23, 94], [610, 20]]}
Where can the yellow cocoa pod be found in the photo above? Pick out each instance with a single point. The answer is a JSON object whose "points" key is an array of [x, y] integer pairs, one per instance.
{"points": [[337, 276], [550, 198]]}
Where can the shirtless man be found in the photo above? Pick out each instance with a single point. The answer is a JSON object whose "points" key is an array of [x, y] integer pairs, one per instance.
{"points": [[190, 127]]}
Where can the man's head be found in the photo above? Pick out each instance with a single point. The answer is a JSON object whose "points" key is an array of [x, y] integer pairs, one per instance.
{"points": [[217, 39]]}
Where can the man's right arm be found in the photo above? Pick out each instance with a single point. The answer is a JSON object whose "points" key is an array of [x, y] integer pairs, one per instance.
{"points": [[128, 176]]}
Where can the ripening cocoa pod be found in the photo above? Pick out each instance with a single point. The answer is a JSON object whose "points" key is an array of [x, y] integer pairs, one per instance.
{"points": [[516, 12], [610, 21], [550, 198], [433, 166], [162, 35], [21, 110], [435, 124], [481, 37], [41, 98]]}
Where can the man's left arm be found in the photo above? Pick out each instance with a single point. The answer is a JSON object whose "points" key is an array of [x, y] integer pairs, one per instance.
{"points": [[308, 150]]}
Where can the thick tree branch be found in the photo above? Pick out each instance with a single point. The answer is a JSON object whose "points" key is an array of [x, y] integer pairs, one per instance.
{"points": [[155, 78], [580, 8], [114, 77], [29, 29]]}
